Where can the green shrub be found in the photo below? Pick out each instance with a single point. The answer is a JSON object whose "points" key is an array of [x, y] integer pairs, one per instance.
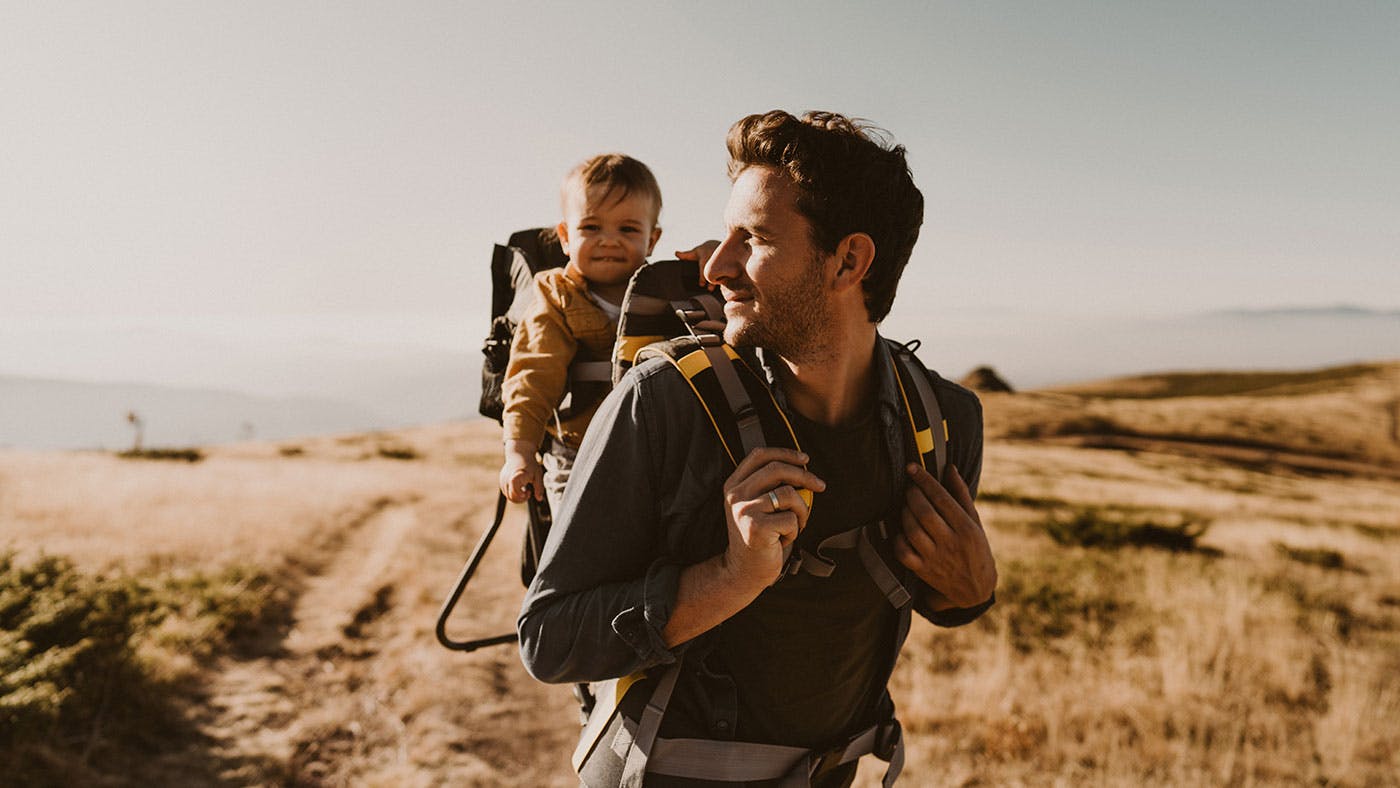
{"points": [[78, 700], [176, 455], [397, 453], [66, 651], [1062, 596], [1315, 556], [1110, 528]]}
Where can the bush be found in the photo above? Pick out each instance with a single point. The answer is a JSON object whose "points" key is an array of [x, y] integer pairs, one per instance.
{"points": [[65, 652], [1315, 556], [77, 699], [1110, 528], [176, 455], [1055, 598]]}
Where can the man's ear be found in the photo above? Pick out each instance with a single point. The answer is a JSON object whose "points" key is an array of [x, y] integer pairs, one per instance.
{"points": [[854, 254], [562, 230], [655, 236]]}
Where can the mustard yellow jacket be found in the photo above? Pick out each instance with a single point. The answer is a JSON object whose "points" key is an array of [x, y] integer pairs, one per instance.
{"points": [[564, 323]]}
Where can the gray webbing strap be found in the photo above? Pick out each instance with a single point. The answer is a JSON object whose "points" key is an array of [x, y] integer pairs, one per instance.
{"points": [[736, 761], [879, 571], [639, 304], [634, 771], [931, 410], [583, 371], [820, 563], [750, 430], [712, 306]]}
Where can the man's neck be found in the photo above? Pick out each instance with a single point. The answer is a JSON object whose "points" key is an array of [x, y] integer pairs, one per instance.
{"points": [[834, 386]]}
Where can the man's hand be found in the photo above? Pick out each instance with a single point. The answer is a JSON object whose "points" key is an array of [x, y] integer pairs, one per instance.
{"points": [[521, 473], [700, 254], [711, 591], [760, 523], [943, 541]]}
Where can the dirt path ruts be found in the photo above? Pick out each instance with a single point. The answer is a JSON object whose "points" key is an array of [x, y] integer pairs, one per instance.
{"points": [[253, 706]]}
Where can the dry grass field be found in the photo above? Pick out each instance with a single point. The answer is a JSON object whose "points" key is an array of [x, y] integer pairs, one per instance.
{"points": [[1200, 585]]}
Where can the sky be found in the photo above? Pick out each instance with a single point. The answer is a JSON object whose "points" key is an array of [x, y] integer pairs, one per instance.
{"points": [[331, 176]]}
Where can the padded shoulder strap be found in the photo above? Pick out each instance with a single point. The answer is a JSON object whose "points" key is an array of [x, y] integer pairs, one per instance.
{"points": [[664, 300], [925, 416]]}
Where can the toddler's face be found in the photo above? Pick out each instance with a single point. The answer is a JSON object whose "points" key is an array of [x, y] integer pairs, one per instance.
{"points": [[608, 238]]}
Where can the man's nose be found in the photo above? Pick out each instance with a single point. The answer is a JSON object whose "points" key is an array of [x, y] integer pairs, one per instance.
{"points": [[727, 260]]}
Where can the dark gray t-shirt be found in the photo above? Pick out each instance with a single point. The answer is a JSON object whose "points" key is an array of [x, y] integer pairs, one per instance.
{"points": [[808, 655]]}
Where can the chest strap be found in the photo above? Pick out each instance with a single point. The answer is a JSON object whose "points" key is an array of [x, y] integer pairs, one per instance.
{"points": [[862, 539]]}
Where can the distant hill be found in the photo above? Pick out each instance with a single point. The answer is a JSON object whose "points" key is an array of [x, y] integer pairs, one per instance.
{"points": [[1224, 384], [57, 414], [1338, 415]]}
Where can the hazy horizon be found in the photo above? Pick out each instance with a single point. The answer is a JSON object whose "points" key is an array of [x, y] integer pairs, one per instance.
{"points": [[255, 196]]}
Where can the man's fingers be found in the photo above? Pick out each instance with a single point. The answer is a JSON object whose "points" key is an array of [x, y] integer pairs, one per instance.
{"points": [[762, 456], [905, 554], [920, 513], [916, 533], [962, 494], [937, 494], [769, 467]]}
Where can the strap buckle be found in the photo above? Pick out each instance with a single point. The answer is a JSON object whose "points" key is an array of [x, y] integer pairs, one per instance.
{"points": [[887, 739], [821, 764]]}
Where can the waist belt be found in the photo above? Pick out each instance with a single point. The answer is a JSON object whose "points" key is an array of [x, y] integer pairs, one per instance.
{"points": [[734, 761], [643, 752]]}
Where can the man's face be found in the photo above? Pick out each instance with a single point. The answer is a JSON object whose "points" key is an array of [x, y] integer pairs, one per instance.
{"points": [[771, 275], [607, 237]]}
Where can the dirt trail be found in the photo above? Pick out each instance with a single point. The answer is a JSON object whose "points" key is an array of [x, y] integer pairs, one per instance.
{"points": [[255, 706]]}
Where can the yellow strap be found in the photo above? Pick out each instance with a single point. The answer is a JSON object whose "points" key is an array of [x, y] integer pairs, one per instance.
{"points": [[945, 430], [924, 439], [627, 347], [693, 364]]}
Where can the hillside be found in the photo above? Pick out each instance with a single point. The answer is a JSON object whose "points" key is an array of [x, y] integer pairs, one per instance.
{"points": [[1344, 418], [1165, 616]]}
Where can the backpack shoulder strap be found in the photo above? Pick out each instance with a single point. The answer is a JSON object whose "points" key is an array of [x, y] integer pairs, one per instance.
{"points": [[737, 401], [925, 415]]}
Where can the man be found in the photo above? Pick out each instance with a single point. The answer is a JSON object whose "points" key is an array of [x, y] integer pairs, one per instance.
{"points": [[661, 557]]}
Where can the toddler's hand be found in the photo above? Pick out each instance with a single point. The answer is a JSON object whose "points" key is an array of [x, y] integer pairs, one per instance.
{"points": [[521, 475], [700, 254]]}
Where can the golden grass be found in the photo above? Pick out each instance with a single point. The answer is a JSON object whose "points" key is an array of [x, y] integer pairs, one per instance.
{"points": [[1244, 664], [1243, 668]]}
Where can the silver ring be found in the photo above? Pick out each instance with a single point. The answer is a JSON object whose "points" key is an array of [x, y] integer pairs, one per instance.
{"points": [[773, 499]]}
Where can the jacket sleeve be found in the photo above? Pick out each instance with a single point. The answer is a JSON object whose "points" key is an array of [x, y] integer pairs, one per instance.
{"points": [[965, 418], [540, 354], [602, 596]]}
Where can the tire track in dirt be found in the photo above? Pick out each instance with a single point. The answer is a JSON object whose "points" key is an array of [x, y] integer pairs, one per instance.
{"points": [[254, 707]]}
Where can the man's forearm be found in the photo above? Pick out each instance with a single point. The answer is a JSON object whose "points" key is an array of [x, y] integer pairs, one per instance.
{"points": [[706, 596]]}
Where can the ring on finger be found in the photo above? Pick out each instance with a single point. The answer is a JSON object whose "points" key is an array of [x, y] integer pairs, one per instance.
{"points": [[773, 500]]}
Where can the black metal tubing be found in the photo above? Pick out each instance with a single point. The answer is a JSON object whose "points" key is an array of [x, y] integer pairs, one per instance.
{"points": [[466, 576]]}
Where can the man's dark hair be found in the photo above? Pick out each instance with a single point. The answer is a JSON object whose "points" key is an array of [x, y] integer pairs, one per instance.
{"points": [[849, 180]]}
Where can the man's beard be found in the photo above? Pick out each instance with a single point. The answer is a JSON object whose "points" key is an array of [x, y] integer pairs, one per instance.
{"points": [[795, 320]]}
